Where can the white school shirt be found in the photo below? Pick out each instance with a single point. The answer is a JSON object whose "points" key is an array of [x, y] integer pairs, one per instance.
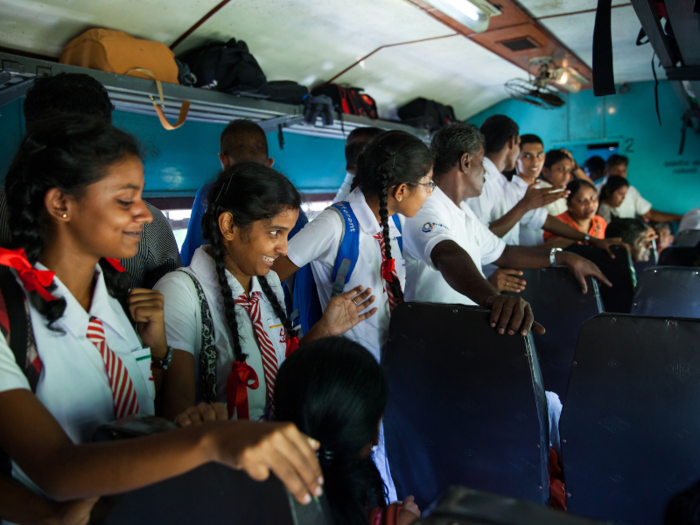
{"points": [[344, 190], [439, 220], [318, 244], [183, 324], [74, 385], [559, 206], [690, 221], [632, 206]]}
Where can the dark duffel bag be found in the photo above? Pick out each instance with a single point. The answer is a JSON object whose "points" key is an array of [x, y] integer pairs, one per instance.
{"points": [[228, 67], [348, 100], [287, 91], [428, 114]]}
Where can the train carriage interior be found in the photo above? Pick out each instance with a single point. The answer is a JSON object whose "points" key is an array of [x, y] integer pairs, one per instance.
{"points": [[477, 163]]}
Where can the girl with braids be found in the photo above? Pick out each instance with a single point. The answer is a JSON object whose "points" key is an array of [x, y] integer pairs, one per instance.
{"points": [[224, 312], [74, 194], [336, 392]]}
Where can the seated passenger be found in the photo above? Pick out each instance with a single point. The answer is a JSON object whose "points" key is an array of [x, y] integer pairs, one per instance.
{"points": [[336, 392], [637, 236], [556, 174], [74, 193], [690, 221], [612, 194], [577, 172], [224, 313], [241, 140], [357, 139], [634, 205], [595, 168], [446, 245], [81, 94], [581, 215], [665, 233]]}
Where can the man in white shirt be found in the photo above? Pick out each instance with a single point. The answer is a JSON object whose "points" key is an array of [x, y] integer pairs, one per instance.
{"points": [[504, 205], [357, 139], [634, 204], [446, 245]]}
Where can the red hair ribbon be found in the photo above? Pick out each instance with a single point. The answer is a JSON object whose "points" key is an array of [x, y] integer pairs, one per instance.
{"points": [[241, 378], [33, 280], [292, 344], [388, 268], [114, 263]]}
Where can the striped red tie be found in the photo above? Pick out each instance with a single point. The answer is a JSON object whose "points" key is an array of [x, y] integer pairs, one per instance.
{"points": [[387, 269], [267, 349], [123, 392]]}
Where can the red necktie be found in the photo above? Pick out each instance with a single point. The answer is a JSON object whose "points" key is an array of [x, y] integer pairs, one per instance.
{"points": [[267, 349], [388, 272], [123, 392]]}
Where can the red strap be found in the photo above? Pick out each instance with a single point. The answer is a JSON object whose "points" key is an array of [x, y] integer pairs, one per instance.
{"points": [[114, 263], [241, 378], [33, 280], [388, 268], [292, 345]]}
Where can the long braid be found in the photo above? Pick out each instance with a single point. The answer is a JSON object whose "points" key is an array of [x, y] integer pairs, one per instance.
{"points": [[279, 311], [394, 284]]}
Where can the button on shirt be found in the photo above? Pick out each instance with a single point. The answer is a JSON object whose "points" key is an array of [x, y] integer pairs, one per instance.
{"points": [[74, 385], [439, 220], [318, 244], [183, 324]]}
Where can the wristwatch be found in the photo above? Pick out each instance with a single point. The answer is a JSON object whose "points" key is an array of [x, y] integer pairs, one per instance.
{"points": [[163, 363], [553, 256], [586, 238]]}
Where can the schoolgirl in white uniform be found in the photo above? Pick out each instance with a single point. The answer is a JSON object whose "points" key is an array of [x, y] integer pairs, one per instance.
{"points": [[224, 312], [74, 195], [394, 175]]}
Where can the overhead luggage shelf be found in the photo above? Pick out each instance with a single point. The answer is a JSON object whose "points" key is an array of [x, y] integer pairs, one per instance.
{"points": [[132, 95]]}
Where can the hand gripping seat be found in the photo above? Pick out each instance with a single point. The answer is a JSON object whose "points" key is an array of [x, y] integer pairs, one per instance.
{"points": [[630, 428], [559, 305], [668, 291], [688, 238], [619, 271], [466, 406]]}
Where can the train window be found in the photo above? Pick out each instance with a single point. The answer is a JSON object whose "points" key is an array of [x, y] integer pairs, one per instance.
{"points": [[178, 219], [604, 150]]}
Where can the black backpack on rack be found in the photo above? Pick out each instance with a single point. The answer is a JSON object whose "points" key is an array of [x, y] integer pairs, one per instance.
{"points": [[228, 67], [427, 114]]}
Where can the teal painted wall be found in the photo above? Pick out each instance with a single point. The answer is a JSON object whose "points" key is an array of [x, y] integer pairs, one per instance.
{"points": [[670, 181], [180, 161]]}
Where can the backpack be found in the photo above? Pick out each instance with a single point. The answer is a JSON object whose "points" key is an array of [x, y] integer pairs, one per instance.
{"points": [[287, 91], [428, 114], [350, 100], [228, 67], [306, 304]]}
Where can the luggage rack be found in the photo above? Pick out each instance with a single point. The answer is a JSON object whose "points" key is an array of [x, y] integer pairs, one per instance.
{"points": [[132, 95]]}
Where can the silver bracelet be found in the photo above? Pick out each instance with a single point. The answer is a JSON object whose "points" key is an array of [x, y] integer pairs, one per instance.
{"points": [[553, 256]]}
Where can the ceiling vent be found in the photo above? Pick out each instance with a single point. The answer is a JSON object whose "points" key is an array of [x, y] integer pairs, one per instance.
{"points": [[520, 44]]}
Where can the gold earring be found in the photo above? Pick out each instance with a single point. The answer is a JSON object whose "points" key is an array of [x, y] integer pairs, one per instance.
{"points": [[65, 215]]}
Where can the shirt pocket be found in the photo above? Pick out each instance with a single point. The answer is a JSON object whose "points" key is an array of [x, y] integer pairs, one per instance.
{"points": [[278, 336], [143, 360]]}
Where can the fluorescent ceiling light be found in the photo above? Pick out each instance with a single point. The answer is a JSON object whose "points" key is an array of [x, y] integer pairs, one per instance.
{"points": [[474, 14], [568, 78]]}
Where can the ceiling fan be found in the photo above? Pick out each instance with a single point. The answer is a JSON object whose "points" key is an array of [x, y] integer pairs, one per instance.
{"points": [[539, 89]]}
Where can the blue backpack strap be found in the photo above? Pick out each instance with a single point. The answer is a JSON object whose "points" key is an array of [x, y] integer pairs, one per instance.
{"points": [[397, 222], [349, 248]]}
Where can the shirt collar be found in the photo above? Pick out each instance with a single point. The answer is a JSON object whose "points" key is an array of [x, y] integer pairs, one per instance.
{"points": [[491, 170], [520, 182], [441, 196], [204, 267], [365, 215]]}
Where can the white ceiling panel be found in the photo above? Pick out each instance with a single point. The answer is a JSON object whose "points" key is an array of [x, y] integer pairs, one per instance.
{"points": [[559, 7]]}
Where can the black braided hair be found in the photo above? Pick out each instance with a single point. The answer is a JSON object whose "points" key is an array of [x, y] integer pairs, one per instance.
{"points": [[334, 390], [250, 192], [392, 158], [69, 152]]}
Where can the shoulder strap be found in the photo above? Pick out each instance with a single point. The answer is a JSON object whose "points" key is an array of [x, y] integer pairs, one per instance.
{"points": [[13, 306], [397, 222], [208, 352], [349, 247]]}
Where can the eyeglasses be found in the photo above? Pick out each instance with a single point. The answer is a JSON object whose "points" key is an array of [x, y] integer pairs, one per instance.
{"points": [[430, 185]]}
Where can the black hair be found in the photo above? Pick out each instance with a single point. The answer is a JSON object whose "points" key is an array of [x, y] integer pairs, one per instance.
{"points": [[595, 166], [628, 230], [66, 93], [69, 152], [616, 160], [391, 158], [575, 186], [334, 391], [614, 183], [684, 507], [250, 192], [497, 130], [529, 138], [357, 139], [451, 142], [554, 156], [244, 140]]}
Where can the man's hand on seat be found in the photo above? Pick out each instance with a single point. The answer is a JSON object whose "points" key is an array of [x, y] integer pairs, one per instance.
{"points": [[581, 267], [505, 281], [512, 315], [605, 244]]}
